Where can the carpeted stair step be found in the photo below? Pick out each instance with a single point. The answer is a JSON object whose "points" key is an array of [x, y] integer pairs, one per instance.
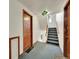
{"points": [[53, 42], [52, 28], [53, 39], [52, 34]]}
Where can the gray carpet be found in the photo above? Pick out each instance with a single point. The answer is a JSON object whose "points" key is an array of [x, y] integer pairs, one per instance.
{"points": [[43, 51]]}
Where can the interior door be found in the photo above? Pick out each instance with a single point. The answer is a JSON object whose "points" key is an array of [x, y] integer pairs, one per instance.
{"points": [[27, 30], [67, 30]]}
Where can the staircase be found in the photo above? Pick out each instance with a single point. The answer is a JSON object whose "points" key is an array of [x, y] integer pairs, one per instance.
{"points": [[52, 36]]}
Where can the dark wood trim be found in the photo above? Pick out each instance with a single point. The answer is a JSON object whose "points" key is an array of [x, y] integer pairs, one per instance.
{"points": [[9, 49], [25, 12], [31, 32], [12, 38], [68, 3], [67, 45]]}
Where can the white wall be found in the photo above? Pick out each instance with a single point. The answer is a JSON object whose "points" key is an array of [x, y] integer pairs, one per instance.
{"points": [[16, 22], [44, 36], [60, 26], [51, 21]]}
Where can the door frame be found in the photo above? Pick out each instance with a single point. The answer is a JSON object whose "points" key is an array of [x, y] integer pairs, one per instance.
{"points": [[65, 51], [25, 12], [13, 38]]}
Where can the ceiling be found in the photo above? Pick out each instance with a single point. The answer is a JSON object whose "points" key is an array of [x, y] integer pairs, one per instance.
{"points": [[38, 6]]}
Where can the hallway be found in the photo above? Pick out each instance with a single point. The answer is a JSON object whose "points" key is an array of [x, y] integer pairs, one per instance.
{"points": [[38, 24], [43, 51]]}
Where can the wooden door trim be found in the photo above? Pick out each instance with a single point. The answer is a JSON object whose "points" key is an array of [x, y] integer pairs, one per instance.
{"points": [[66, 6], [12, 38], [30, 29]]}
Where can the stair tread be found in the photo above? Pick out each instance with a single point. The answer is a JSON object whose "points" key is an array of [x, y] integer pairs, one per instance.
{"points": [[51, 28], [53, 41], [52, 35], [52, 31], [53, 38]]}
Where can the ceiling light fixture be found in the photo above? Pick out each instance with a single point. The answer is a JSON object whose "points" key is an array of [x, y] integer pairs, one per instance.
{"points": [[44, 12]]}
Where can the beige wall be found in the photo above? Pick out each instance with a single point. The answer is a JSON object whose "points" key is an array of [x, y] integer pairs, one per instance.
{"points": [[16, 22], [52, 21], [44, 36], [60, 26]]}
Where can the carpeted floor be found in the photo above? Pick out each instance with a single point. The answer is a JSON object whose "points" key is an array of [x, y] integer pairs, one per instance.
{"points": [[43, 51]]}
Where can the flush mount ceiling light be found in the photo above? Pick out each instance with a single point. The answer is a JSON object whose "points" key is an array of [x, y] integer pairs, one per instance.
{"points": [[44, 12]]}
